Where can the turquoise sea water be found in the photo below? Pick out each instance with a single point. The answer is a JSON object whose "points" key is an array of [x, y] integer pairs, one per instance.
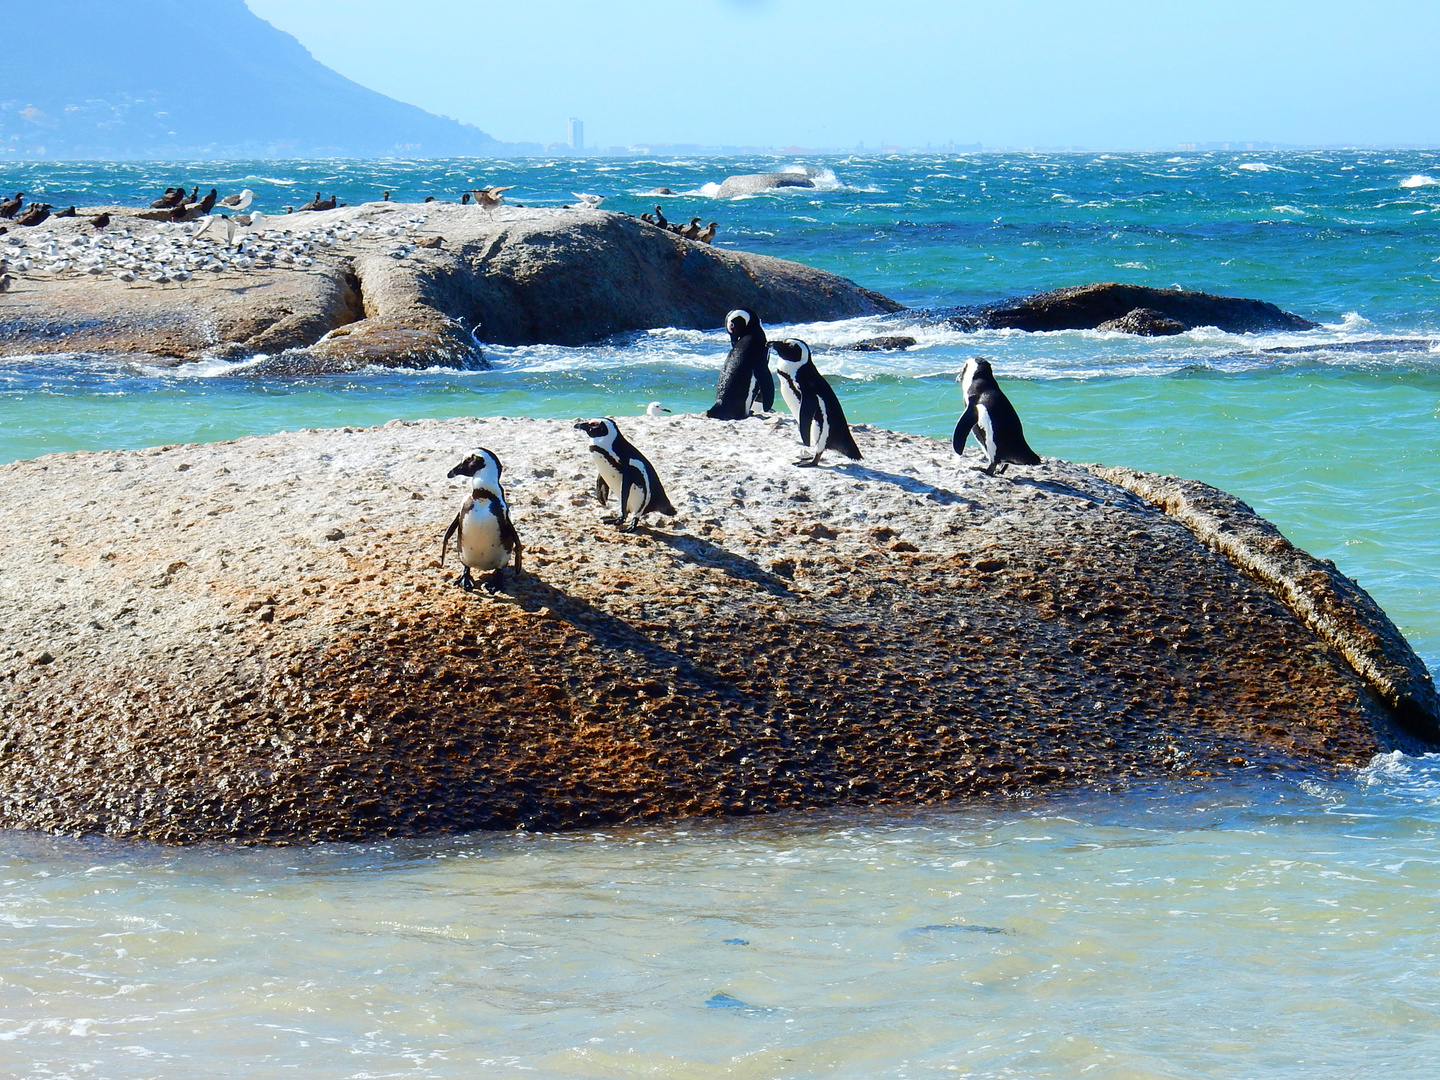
{"points": [[1269, 929]]}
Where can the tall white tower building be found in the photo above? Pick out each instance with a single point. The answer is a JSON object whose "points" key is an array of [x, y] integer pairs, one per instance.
{"points": [[577, 135]]}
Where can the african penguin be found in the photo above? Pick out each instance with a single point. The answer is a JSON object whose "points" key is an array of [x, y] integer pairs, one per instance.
{"points": [[989, 412], [625, 471], [813, 401], [484, 537], [745, 380]]}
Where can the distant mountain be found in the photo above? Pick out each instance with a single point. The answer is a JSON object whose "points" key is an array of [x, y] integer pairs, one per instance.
{"points": [[166, 79]]}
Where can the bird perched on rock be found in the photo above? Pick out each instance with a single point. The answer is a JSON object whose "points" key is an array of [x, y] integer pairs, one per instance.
{"points": [[318, 203], [207, 203], [491, 197], [647, 219], [172, 198], [10, 207], [485, 538], [465, 199], [817, 410], [37, 213], [6, 280], [240, 201], [385, 196], [745, 380], [430, 242], [708, 234], [100, 221], [69, 211], [655, 409], [996, 424], [691, 231], [625, 471], [660, 218], [591, 201]]}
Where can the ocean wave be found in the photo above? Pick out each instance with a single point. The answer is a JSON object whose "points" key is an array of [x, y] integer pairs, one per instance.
{"points": [[1419, 180]]}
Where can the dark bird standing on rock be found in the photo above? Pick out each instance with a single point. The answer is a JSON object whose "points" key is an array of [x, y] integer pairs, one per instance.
{"points": [[691, 231], [173, 197], [208, 203], [996, 423], [709, 233], [484, 536], [100, 221], [37, 213], [318, 203], [745, 380], [10, 207], [817, 410], [69, 211], [625, 471], [660, 218]]}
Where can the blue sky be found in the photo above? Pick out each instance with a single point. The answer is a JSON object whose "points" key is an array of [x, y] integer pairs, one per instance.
{"points": [[1101, 74]]}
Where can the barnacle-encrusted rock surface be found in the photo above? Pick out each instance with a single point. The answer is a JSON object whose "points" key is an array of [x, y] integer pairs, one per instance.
{"points": [[253, 640]]}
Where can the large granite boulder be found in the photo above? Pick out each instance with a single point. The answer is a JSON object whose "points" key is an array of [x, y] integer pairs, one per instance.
{"points": [[254, 640], [752, 183], [1087, 307], [396, 284]]}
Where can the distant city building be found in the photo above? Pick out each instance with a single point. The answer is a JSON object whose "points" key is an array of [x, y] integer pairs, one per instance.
{"points": [[576, 137]]}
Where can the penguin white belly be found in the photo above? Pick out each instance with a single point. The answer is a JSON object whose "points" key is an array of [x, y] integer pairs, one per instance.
{"points": [[609, 473], [790, 394], [985, 432], [480, 545], [752, 397]]}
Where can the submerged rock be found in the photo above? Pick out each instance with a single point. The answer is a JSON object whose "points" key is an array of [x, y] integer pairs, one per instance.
{"points": [[255, 640], [339, 289], [888, 343], [1087, 307], [1146, 322]]}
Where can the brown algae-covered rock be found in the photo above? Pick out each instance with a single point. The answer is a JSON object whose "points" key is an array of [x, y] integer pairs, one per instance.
{"points": [[253, 640]]}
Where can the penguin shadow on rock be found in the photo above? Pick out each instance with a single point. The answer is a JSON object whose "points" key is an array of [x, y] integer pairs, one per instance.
{"points": [[702, 552], [915, 486]]}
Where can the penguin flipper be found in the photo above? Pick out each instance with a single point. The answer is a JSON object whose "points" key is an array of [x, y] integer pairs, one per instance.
{"points": [[451, 531], [602, 490], [511, 539], [809, 414], [962, 429], [766, 387]]}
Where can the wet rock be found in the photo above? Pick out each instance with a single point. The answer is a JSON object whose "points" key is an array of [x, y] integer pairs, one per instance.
{"points": [[888, 343], [751, 183], [1146, 322], [1086, 307]]}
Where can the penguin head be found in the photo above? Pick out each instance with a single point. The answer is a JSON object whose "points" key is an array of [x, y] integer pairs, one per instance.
{"points": [[482, 465], [792, 353], [977, 369], [599, 430], [740, 322]]}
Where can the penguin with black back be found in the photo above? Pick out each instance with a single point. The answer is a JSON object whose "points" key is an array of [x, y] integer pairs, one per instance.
{"points": [[994, 420], [485, 538], [626, 471], [817, 410], [745, 380]]}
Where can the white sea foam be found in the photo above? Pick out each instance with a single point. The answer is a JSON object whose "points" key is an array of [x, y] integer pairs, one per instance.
{"points": [[1419, 180], [1254, 166]]}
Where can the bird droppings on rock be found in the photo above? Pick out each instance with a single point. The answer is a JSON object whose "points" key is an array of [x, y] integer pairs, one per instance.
{"points": [[733, 660]]}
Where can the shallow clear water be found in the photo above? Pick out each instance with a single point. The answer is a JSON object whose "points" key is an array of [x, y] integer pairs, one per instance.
{"points": [[1268, 929], [1264, 929]]}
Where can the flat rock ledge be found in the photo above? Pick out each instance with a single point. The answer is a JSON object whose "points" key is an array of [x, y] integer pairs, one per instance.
{"points": [[394, 284], [253, 641], [1131, 309]]}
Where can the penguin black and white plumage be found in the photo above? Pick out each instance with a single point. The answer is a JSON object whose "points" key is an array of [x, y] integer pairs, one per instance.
{"points": [[485, 539], [813, 401], [625, 471], [996, 424], [745, 380]]}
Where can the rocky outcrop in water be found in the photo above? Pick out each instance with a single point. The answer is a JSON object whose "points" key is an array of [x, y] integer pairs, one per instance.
{"points": [[340, 289], [253, 640], [752, 183], [1144, 322], [1090, 307]]}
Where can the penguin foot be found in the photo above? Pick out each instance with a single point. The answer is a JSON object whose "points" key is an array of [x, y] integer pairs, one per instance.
{"points": [[465, 581], [495, 582], [807, 463]]}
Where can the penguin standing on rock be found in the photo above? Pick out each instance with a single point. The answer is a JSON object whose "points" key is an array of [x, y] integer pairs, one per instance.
{"points": [[625, 471], [745, 380], [996, 424], [484, 537], [813, 401]]}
